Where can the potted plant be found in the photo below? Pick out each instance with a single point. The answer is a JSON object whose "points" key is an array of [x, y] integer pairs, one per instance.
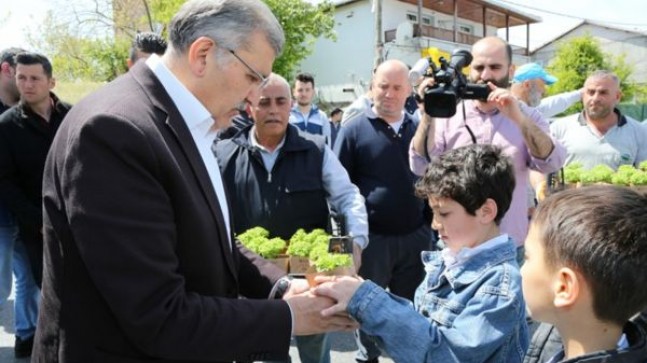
{"points": [[257, 240], [323, 262], [300, 246]]}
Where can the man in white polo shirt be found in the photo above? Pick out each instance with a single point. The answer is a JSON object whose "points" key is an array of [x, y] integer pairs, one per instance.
{"points": [[601, 134]]}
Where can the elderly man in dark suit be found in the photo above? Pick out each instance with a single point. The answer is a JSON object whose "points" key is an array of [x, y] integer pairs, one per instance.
{"points": [[140, 260]]}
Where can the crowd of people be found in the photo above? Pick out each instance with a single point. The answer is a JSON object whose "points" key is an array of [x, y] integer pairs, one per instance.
{"points": [[119, 215]]}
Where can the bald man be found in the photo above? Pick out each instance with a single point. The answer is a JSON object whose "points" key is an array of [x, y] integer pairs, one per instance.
{"points": [[373, 149], [601, 134], [500, 120]]}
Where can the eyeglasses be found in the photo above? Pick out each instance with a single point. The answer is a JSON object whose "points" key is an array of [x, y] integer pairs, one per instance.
{"points": [[261, 77]]}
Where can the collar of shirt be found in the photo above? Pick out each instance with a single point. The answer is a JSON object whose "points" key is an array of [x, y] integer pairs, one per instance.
{"points": [[453, 259], [192, 110], [254, 142], [199, 121]]}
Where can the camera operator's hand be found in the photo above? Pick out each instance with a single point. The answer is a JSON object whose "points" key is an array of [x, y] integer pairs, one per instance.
{"points": [[506, 103], [426, 83]]}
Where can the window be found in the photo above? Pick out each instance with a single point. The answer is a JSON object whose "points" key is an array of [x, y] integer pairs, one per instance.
{"points": [[468, 29], [426, 19]]}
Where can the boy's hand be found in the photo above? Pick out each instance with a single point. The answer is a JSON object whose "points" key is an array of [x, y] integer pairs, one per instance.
{"points": [[338, 288]]}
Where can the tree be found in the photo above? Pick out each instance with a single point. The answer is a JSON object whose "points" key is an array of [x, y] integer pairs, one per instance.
{"points": [[577, 58]]}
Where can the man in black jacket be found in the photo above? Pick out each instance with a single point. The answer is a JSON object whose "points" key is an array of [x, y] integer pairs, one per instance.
{"points": [[282, 179], [26, 133]]}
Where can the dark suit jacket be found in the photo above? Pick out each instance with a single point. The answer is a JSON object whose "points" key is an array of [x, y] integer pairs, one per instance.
{"points": [[137, 261]]}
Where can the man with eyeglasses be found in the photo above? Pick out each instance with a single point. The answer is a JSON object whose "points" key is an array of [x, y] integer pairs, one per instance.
{"points": [[140, 259]]}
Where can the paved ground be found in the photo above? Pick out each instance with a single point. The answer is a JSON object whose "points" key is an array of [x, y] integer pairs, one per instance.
{"points": [[343, 344]]}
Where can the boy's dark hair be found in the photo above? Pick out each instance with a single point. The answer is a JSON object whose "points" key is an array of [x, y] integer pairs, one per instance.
{"points": [[147, 42], [336, 111], [306, 78], [600, 231], [30, 58], [470, 175]]}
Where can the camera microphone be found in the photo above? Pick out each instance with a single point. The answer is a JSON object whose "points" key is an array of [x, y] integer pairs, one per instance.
{"points": [[418, 71]]}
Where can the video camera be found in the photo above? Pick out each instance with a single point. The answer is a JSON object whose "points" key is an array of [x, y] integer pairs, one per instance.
{"points": [[450, 83]]}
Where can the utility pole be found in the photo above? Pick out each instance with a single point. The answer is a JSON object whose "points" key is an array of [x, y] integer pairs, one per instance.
{"points": [[379, 42]]}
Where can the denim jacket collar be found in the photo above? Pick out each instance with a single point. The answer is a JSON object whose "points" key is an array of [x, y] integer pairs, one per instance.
{"points": [[469, 271]]}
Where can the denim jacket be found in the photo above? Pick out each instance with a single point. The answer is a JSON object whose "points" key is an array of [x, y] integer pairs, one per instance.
{"points": [[473, 313]]}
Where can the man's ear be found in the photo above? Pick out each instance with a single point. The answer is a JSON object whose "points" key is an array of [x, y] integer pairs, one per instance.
{"points": [[567, 287], [511, 70], [199, 52], [488, 211]]}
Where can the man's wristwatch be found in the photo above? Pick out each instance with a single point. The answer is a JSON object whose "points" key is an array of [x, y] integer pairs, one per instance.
{"points": [[280, 287]]}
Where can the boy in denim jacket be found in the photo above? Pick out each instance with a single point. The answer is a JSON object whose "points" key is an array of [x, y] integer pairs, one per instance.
{"points": [[470, 306], [586, 272]]}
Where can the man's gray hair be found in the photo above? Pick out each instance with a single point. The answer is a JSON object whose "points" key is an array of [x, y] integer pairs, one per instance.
{"points": [[603, 73], [229, 23]]}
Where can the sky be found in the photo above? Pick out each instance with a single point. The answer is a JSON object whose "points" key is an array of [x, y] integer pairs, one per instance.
{"points": [[26, 14]]}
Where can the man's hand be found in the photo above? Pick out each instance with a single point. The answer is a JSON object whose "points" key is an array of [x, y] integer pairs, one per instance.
{"points": [[307, 310], [506, 103], [338, 288]]}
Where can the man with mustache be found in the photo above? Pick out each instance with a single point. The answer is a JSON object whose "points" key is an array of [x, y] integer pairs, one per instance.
{"points": [[601, 134], [281, 178], [500, 120]]}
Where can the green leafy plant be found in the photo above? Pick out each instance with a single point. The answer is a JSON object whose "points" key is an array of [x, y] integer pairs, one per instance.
{"points": [[623, 175], [301, 243], [257, 240], [643, 166], [639, 178], [572, 173], [597, 174], [331, 261], [272, 248], [324, 261]]}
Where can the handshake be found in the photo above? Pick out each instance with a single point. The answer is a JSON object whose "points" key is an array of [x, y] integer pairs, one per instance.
{"points": [[322, 308]]}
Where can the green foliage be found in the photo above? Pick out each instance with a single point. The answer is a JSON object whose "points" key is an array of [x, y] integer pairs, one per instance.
{"points": [[577, 58], [79, 51], [331, 261], [82, 44], [597, 174], [257, 240], [163, 10], [643, 166], [623, 175], [301, 243], [252, 234], [639, 178], [272, 248], [302, 24], [572, 173]]}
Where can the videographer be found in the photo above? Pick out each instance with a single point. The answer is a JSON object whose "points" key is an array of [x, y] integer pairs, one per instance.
{"points": [[499, 120]]}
